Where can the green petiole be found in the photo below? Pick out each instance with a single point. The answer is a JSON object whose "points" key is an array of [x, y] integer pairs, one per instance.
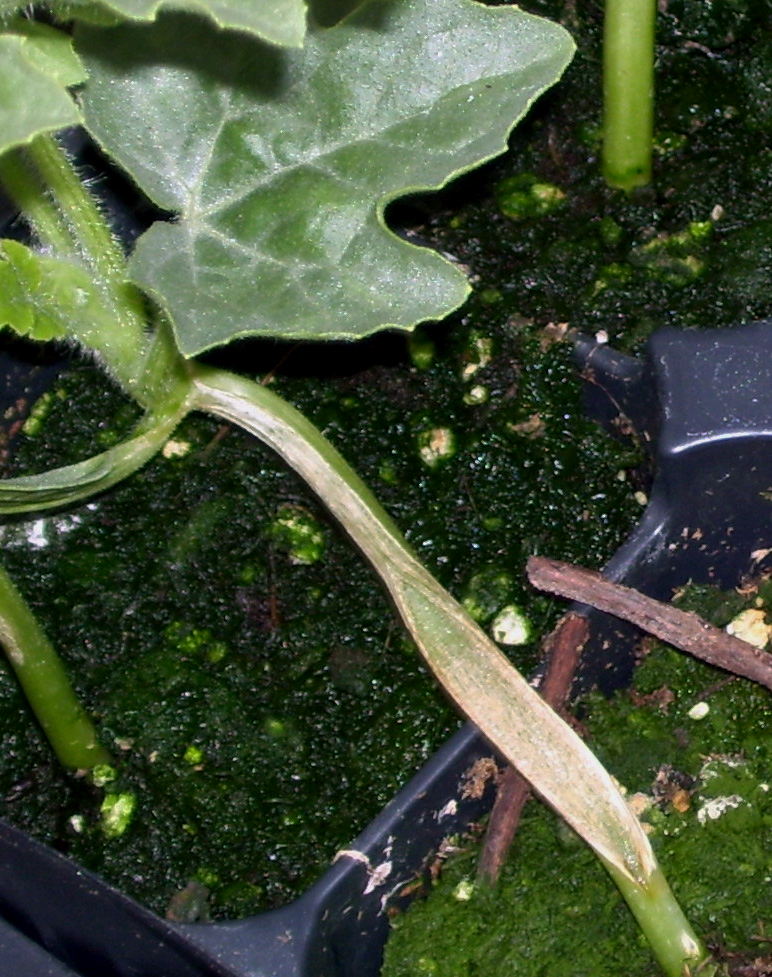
{"points": [[46, 685], [628, 92]]}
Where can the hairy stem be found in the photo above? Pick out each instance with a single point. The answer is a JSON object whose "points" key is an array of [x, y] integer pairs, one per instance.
{"points": [[44, 680], [68, 223], [23, 186], [628, 92], [89, 229]]}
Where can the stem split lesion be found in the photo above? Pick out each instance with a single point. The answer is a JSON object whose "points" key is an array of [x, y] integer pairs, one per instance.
{"points": [[563, 650], [484, 685]]}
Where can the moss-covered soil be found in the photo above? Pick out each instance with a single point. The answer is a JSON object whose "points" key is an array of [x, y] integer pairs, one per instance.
{"points": [[236, 653], [692, 748]]}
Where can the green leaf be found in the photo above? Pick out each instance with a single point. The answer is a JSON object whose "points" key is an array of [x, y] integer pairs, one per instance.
{"points": [[280, 163], [73, 483], [281, 22], [50, 50], [26, 305], [52, 298], [33, 97]]}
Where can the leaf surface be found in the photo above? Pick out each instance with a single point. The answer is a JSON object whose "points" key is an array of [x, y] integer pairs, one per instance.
{"points": [[281, 22], [279, 164], [50, 50], [73, 483], [46, 298], [33, 97]]}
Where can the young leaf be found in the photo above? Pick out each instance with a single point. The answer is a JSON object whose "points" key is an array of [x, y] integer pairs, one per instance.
{"points": [[52, 298], [281, 22], [73, 483], [280, 163], [33, 98], [50, 50]]}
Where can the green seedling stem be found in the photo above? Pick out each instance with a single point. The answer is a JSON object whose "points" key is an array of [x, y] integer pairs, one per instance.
{"points": [[45, 683], [42, 181], [66, 219], [662, 921], [29, 194], [74, 483], [628, 92]]}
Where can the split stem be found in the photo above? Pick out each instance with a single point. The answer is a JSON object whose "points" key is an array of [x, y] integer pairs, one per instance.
{"points": [[473, 671]]}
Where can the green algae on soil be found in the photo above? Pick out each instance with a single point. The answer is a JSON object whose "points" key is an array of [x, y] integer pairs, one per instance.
{"points": [[692, 749], [694, 249]]}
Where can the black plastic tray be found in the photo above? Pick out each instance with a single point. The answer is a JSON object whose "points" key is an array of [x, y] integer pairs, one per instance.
{"points": [[702, 404]]}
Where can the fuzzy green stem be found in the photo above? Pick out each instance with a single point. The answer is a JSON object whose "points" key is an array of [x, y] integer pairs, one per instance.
{"points": [[77, 207], [123, 347], [628, 92], [44, 680], [677, 949], [471, 669], [67, 220], [20, 182], [79, 210]]}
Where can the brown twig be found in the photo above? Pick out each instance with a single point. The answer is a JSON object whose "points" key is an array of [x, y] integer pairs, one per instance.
{"points": [[564, 648], [683, 629]]}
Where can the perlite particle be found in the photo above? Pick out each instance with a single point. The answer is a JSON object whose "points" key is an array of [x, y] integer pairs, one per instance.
{"points": [[117, 811], [699, 710], [511, 626]]}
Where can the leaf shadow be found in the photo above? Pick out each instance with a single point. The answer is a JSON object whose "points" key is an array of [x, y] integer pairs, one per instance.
{"points": [[327, 13], [221, 58]]}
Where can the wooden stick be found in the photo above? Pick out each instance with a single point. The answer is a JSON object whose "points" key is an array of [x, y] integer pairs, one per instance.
{"points": [[683, 629], [564, 648], [512, 793]]}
